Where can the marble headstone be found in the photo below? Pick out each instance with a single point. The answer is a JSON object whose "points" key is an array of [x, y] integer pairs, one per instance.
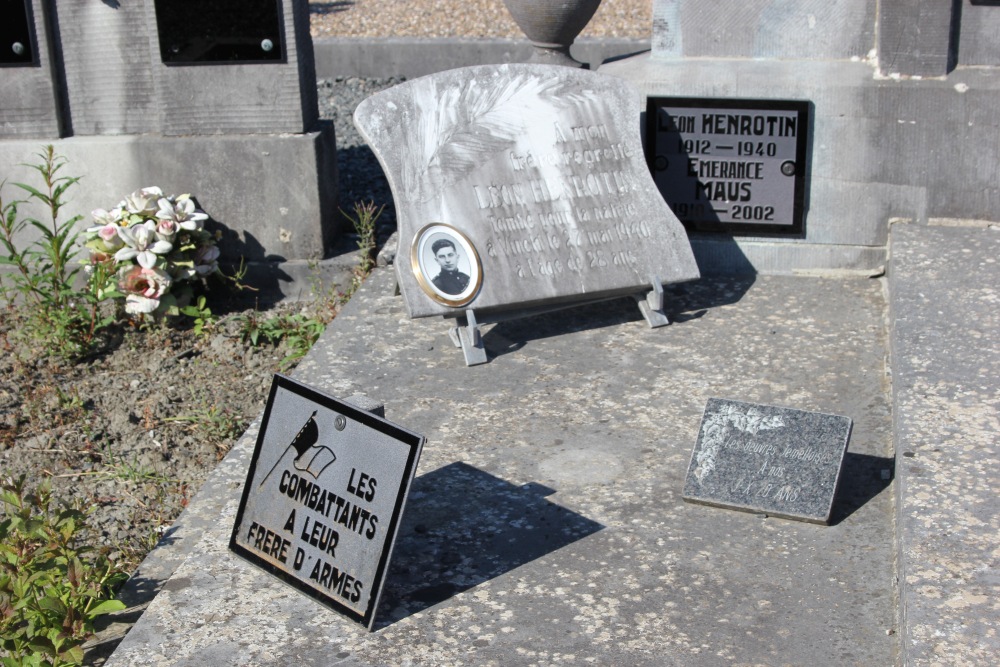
{"points": [[759, 458], [535, 175]]}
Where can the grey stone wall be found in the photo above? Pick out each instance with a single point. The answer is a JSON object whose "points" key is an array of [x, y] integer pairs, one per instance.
{"points": [[915, 38], [807, 29], [905, 121], [100, 73], [104, 51], [979, 36], [273, 195], [244, 98], [245, 139], [29, 106]]}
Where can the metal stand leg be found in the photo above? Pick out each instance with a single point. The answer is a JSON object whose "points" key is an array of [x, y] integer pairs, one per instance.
{"points": [[466, 336], [651, 305]]}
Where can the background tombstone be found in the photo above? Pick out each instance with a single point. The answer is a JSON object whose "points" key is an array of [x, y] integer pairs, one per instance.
{"points": [[235, 134], [536, 174], [885, 80]]}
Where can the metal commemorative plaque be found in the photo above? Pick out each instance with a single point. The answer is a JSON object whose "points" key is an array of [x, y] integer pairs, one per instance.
{"points": [[736, 166], [324, 496], [16, 44], [219, 31]]}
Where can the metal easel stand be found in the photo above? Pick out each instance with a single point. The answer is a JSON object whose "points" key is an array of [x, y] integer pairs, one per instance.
{"points": [[467, 336], [651, 305]]}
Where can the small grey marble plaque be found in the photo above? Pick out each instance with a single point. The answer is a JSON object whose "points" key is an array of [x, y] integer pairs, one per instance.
{"points": [[324, 496], [760, 458], [521, 185]]}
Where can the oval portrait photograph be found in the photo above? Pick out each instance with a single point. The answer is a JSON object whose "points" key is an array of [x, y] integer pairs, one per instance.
{"points": [[446, 264]]}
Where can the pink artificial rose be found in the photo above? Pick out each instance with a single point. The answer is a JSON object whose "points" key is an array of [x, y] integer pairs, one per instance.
{"points": [[143, 287], [108, 232]]}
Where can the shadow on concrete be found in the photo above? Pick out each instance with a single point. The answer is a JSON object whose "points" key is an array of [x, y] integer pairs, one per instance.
{"points": [[140, 587], [263, 272], [693, 300], [462, 527], [862, 478], [684, 302], [510, 335], [137, 592], [330, 7]]}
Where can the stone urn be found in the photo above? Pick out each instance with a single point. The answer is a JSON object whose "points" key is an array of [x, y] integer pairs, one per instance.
{"points": [[552, 25]]}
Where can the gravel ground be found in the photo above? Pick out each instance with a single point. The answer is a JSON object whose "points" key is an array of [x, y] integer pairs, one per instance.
{"points": [[461, 18], [361, 176]]}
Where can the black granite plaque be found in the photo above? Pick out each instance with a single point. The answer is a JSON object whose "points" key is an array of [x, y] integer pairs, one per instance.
{"points": [[219, 31], [16, 44], [324, 496], [759, 458], [736, 166]]}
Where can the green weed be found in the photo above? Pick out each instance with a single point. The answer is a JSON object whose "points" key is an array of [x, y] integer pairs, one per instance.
{"points": [[51, 588], [216, 424], [364, 219], [298, 331], [201, 315], [65, 320]]}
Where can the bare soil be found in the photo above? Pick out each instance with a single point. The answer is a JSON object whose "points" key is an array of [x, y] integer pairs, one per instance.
{"points": [[133, 430]]}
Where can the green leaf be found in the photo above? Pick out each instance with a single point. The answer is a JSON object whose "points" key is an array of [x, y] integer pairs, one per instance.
{"points": [[42, 645], [52, 604], [30, 190], [73, 655], [105, 607]]}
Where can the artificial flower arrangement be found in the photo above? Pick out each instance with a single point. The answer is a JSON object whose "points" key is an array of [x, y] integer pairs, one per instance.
{"points": [[155, 247]]}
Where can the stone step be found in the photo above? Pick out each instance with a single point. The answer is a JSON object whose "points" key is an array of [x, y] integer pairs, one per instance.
{"points": [[944, 287]]}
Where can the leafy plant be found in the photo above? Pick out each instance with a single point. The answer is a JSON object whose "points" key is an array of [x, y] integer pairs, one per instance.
{"points": [[298, 331], [364, 219], [51, 588], [201, 314], [64, 319], [217, 424]]}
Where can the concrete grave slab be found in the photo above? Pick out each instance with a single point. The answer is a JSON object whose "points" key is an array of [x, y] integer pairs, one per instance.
{"points": [[546, 517], [537, 177]]}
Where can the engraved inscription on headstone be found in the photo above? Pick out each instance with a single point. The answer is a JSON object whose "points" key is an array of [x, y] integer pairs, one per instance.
{"points": [[16, 47], [324, 497], [759, 458], [219, 31], [539, 171], [730, 165]]}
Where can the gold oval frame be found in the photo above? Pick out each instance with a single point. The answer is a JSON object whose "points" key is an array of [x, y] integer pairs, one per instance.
{"points": [[475, 265]]}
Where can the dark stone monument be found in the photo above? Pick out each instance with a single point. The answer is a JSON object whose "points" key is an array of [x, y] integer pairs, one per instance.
{"points": [[196, 31], [324, 496], [730, 165], [16, 42], [760, 458], [211, 97]]}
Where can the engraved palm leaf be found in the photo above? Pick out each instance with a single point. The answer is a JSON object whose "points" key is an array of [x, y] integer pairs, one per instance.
{"points": [[466, 125]]}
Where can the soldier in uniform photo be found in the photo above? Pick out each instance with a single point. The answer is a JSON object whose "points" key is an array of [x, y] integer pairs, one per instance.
{"points": [[450, 279]]}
